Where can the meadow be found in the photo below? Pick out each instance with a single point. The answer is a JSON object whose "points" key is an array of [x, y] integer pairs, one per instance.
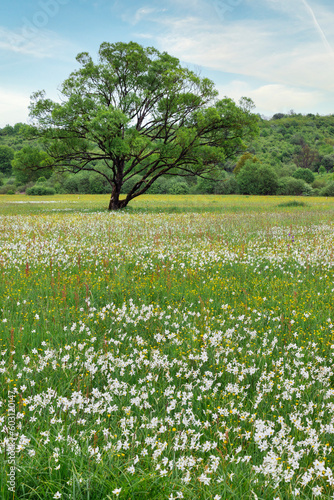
{"points": [[181, 348]]}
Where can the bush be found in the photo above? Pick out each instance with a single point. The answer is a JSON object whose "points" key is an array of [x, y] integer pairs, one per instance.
{"points": [[267, 180], [41, 179], [227, 186], [21, 188], [294, 187], [245, 158], [97, 186], [328, 162], [83, 184], [177, 186], [257, 179], [304, 173], [71, 185], [204, 186], [6, 188], [173, 185], [319, 183], [328, 190], [40, 190]]}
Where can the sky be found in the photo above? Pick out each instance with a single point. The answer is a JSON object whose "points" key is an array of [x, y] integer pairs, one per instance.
{"points": [[280, 53]]}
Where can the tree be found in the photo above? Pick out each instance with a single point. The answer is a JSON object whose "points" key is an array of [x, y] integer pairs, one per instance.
{"points": [[28, 162], [328, 162], [307, 158], [6, 156], [241, 162], [257, 179], [139, 113], [304, 173]]}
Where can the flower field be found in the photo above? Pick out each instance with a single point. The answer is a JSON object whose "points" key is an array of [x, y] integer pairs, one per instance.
{"points": [[167, 355]]}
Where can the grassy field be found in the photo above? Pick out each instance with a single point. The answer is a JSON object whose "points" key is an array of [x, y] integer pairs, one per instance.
{"points": [[182, 348]]}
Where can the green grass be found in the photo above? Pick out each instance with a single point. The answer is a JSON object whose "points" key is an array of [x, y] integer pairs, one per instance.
{"points": [[22, 204], [168, 346], [293, 203]]}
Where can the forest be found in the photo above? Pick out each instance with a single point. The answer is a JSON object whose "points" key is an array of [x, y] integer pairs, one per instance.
{"points": [[293, 154]]}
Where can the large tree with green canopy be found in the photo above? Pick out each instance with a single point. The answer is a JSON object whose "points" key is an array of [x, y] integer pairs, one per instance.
{"points": [[138, 112]]}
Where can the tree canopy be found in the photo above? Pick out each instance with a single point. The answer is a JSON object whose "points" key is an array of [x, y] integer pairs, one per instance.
{"points": [[6, 156], [138, 112]]}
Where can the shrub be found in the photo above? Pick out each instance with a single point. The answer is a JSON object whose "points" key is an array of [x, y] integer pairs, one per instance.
{"points": [[304, 173], [21, 188], [293, 204], [227, 186], [97, 186], [41, 179], [160, 186], [83, 184], [204, 186], [328, 190], [267, 180], [6, 188], [40, 190], [257, 179], [246, 157], [71, 185], [293, 187], [177, 186], [319, 183]]}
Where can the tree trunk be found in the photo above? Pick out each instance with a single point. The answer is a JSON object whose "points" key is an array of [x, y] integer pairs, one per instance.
{"points": [[115, 203]]}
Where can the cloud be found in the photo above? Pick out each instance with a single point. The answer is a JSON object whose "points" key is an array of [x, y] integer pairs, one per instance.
{"points": [[140, 14], [38, 43], [13, 107], [274, 51], [273, 98]]}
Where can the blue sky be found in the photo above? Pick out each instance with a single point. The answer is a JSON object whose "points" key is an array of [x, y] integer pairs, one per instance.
{"points": [[278, 52]]}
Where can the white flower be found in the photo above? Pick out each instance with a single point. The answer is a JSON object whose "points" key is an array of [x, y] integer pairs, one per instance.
{"points": [[316, 491], [204, 479], [131, 469], [117, 491], [37, 317], [57, 495], [217, 497]]}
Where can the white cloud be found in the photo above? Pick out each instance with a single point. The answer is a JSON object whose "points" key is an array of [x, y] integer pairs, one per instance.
{"points": [[273, 98], [283, 54], [140, 14], [13, 107], [39, 43]]}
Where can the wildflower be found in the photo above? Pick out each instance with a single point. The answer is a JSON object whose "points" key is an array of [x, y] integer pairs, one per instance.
{"points": [[117, 491], [131, 469], [204, 479], [57, 495]]}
